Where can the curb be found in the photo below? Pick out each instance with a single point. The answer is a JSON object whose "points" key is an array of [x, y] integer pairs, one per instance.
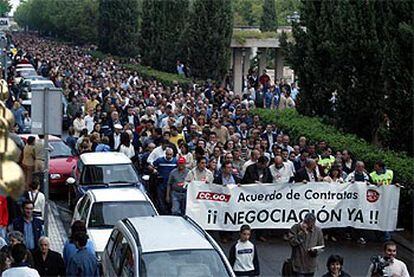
{"points": [[56, 231]]}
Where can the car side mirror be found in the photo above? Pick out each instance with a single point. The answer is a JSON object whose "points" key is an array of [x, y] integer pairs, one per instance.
{"points": [[146, 177], [70, 181]]}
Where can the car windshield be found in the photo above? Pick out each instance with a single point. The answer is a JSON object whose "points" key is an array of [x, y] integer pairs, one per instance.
{"points": [[195, 263], [27, 72], [41, 86], [107, 214], [107, 174], [60, 149]]}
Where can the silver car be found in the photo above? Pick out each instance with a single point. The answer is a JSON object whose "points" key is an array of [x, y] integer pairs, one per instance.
{"points": [[163, 246], [102, 208]]}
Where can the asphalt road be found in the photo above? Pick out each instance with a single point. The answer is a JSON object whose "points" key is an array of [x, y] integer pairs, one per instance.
{"points": [[273, 252]]}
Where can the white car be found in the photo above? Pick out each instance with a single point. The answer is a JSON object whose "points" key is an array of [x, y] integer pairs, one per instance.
{"points": [[102, 208], [29, 86], [25, 65], [23, 72], [158, 246]]}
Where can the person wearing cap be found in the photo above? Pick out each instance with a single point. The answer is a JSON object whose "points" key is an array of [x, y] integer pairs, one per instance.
{"points": [[176, 189], [303, 237], [115, 138]]}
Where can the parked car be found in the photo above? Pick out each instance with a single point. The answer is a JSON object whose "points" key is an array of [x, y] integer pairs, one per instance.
{"points": [[101, 169], [162, 246], [23, 72], [28, 86], [61, 163], [102, 208]]}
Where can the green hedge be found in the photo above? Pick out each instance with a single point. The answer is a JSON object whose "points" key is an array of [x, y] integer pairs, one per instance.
{"points": [[314, 130], [165, 78]]}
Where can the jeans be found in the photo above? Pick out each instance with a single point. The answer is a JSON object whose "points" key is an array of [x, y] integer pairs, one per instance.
{"points": [[3, 231], [161, 194], [178, 200]]}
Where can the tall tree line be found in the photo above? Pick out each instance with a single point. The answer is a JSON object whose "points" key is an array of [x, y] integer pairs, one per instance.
{"points": [[160, 31], [353, 60], [74, 20]]}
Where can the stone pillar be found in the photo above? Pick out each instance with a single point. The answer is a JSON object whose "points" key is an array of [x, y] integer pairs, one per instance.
{"points": [[279, 64], [237, 70], [261, 53], [247, 53]]}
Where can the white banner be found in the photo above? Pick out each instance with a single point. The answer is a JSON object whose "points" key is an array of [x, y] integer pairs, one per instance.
{"points": [[279, 206]]}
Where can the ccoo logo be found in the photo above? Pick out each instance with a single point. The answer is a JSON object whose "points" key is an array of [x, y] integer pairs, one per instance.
{"points": [[372, 196]]}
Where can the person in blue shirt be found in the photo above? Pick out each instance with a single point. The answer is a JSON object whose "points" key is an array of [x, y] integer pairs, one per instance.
{"points": [[82, 263], [69, 248], [31, 227], [163, 166]]}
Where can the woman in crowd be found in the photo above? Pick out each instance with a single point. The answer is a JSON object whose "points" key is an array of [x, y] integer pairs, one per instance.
{"points": [[126, 146], [335, 265], [46, 261]]}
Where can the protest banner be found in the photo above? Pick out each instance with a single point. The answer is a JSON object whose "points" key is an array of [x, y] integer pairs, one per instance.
{"points": [[279, 206]]}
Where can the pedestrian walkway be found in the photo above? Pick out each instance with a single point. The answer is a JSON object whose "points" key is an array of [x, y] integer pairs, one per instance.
{"points": [[56, 231]]}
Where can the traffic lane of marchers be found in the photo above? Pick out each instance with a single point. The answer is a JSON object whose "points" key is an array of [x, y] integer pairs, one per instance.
{"points": [[274, 252]]}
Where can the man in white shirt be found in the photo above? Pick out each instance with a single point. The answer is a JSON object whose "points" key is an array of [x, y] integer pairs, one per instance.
{"points": [[20, 268], [395, 267], [281, 171], [253, 159], [89, 120]]}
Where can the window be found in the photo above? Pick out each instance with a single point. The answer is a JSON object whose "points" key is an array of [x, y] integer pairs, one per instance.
{"points": [[85, 210], [81, 205], [118, 253], [183, 263], [107, 214], [109, 174], [111, 242], [129, 263], [60, 149]]}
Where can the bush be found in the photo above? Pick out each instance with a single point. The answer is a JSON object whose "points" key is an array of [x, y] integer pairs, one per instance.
{"points": [[167, 79], [314, 130]]}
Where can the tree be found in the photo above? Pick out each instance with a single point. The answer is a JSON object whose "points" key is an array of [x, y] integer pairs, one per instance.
{"points": [[361, 51], [209, 38], [5, 7], [268, 21], [118, 27], [162, 39]]}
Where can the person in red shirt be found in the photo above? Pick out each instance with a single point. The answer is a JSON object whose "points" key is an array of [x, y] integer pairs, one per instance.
{"points": [[4, 216], [264, 78]]}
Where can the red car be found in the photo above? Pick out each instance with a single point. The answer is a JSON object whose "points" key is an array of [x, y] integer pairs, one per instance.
{"points": [[62, 161]]}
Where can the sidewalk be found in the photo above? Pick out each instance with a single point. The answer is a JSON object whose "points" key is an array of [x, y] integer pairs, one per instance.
{"points": [[56, 231]]}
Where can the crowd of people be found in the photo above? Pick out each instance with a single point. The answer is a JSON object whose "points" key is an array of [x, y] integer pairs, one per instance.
{"points": [[173, 133]]}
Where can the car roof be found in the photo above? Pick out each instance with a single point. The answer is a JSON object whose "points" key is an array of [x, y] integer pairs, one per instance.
{"points": [[168, 233], [33, 78], [51, 137], [117, 194], [26, 65], [104, 158], [25, 69], [35, 82]]}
